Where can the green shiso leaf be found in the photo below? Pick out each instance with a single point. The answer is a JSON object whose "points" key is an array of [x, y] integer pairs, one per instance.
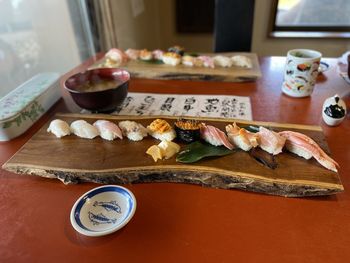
{"points": [[197, 151], [152, 61]]}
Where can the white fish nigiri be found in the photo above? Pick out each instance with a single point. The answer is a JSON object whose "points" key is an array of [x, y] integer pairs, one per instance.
{"points": [[108, 130], [84, 129], [306, 147], [214, 136], [133, 130], [241, 61], [59, 128], [270, 141], [222, 61]]}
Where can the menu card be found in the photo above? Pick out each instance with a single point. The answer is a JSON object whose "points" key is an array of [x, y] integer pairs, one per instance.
{"points": [[236, 107]]}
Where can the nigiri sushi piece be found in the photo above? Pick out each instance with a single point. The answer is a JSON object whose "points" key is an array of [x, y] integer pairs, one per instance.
{"points": [[157, 54], [191, 61], [133, 130], [306, 147], [171, 58], [161, 130], [146, 55], [117, 55], [188, 61], [270, 141], [108, 130], [208, 62], [84, 129], [59, 128], [214, 136], [241, 138], [132, 53], [222, 61], [187, 131], [241, 61]]}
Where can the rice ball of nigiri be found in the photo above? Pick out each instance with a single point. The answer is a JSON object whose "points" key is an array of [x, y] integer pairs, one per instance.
{"points": [[133, 130], [108, 130], [161, 130], [84, 129], [59, 128]]}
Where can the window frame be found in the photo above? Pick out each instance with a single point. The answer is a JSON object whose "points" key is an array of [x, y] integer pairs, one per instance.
{"points": [[304, 31]]}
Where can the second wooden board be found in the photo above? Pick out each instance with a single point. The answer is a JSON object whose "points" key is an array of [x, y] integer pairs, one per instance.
{"points": [[140, 69]]}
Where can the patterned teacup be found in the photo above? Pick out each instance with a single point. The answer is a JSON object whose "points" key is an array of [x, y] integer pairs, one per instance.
{"points": [[301, 72]]}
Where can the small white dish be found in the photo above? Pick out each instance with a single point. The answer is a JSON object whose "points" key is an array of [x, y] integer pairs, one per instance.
{"points": [[103, 210], [333, 110]]}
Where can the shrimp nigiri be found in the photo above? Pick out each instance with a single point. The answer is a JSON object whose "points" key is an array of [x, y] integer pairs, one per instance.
{"points": [[270, 141], [108, 130], [241, 138], [214, 136], [304, 146]]}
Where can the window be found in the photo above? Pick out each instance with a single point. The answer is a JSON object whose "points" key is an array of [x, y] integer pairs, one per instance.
{"points": [[39, 36], [311, 18]]}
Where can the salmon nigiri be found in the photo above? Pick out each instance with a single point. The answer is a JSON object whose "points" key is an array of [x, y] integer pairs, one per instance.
{"points": [[214, 136], [108, 130], [306, 147], [270, 141]]}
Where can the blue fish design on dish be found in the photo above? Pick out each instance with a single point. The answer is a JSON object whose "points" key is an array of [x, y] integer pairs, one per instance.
{"points": [[109, 206], [100, 219]]}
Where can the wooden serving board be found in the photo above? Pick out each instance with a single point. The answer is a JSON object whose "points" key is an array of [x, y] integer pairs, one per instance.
{"points": [[140, 69], [73, 159]]}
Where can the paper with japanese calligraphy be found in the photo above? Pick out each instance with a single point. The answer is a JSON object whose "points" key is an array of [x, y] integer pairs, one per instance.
{"points": [[236, 107]]}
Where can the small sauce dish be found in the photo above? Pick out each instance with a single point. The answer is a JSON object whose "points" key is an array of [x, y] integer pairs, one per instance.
{"points": [[103, 210]]}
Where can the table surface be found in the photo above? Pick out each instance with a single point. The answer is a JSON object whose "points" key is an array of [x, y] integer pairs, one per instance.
{"points": [[190, 223]]}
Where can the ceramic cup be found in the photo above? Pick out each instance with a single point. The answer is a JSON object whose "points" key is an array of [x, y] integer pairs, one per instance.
{"points": [[301, 72]]}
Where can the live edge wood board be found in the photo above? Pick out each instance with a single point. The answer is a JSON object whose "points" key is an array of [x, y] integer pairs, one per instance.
{"points": [[139, 69], [72, 160]]}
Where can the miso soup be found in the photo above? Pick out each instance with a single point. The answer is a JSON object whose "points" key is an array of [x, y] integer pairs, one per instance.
{"points": [[99, 85]]}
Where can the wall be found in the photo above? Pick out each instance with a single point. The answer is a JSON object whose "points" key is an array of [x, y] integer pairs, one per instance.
{"points": [[169, 36], [141, 31], [264, 46], [154, 27]]}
